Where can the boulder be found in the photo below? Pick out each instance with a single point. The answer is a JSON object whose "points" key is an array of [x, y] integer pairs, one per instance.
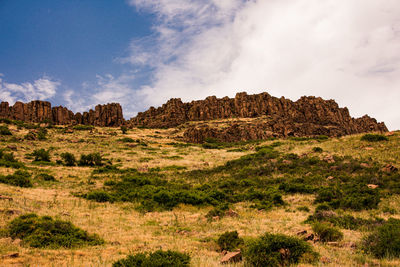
{"points": [[232, 257]]}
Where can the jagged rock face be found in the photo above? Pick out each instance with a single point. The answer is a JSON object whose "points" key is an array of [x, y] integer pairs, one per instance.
{"points": [[307, 116], [41, 111]]}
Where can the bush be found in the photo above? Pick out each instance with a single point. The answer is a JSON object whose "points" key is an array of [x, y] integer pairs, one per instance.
{"points": [[69, 159], [327, 233], [45, 232], [42, 133], [317, 149], [229, 241], [99, 196], [158, 258], [127, 140], [19, 178], [4, 130], [41, 155], [83, 127], [93, 159], [374, 138], [278, 250], [384, 242], [124, 129], [45, 177]]}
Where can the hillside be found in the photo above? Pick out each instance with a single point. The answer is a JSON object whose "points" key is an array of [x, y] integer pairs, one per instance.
{"points": [[146, 190]]}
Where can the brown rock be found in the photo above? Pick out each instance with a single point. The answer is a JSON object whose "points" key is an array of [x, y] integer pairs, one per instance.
{"points": [[232, 257], [325, 260], [12, 147], [11, 255], [303, 232], [389, 133], [364, 165], [232, 213], [389, 168], [308, 116], [329, 159], [372, 186], [109, 115], [330, 178]]}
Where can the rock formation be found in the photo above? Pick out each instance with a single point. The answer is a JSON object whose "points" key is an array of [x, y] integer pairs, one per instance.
{"points": [[308, 116], [41, 111]]}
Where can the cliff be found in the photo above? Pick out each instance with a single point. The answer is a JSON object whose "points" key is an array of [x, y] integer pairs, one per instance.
{"points": [[308, 116], [41, 111]]}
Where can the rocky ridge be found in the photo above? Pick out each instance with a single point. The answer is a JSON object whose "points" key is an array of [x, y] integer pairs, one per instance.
{"points": [[41, 111], [279, 117]]}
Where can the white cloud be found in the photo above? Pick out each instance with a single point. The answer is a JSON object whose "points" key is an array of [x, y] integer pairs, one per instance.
{"points": [[345, 50], [41, 89]]}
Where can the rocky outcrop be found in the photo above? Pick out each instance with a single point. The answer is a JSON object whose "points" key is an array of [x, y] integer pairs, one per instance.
{"points": [[108, 115], [282, 117]]}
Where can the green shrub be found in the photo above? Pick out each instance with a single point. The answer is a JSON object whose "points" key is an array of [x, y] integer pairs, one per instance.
{"points": [[41, 134], [127, 140], [41, 155], [278, 250], [374, 138], [68, 158], [19, 178], [99, 196], [9, 157], [158, 258], [93, 159], [45, 232], [317, 149], [124, 129], [327, 233], [384, 242], [30, 136], [45, 177], [229, 241], [8, 160], [4, 130], [83, 127]]}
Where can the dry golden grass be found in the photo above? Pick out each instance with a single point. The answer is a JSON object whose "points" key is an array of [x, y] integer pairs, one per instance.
{"points": [[185, 228]]}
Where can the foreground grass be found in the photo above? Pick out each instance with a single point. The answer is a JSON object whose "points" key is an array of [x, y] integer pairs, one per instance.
{"points": [[185, 228]]}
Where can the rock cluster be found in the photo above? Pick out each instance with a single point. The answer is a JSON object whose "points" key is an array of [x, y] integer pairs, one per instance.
{"points": [[308, 116], [41, 111]]}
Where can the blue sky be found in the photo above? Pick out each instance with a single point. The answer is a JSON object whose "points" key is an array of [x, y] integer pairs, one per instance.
{"points": [[79, 53]]}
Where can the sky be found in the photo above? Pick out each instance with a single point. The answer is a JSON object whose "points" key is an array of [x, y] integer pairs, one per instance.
{"points": [[140, 53]]}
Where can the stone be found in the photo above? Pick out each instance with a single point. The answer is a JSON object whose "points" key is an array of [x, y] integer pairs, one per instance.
{"points": [[303, 232], [330, 178], [365, 165], [12, 147], [329, 159], [11, 255], [389, 168], [109, 115], [232, 213], [231, 257], [372, 186], [325, 260], [308, 116]]}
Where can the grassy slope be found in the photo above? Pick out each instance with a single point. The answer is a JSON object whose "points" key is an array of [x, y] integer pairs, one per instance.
{"points": [[185, 228]]}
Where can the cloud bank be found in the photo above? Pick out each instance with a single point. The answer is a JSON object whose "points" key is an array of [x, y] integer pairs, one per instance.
{"points": [[345, 50], [41, 89]]}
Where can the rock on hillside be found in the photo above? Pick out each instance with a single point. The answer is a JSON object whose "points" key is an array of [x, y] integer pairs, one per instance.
{"points": [[305, 117], [41, 111]]}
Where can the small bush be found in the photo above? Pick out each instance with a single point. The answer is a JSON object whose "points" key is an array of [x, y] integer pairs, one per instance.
{"points": [[68, 159], [99, 196], [158, 258], [30, 136], [317, 149], [19, 178], [384, 242], [83, 127], [93, 159], [42, 133], [45, 232], [124, 129], [46, 177], [229, 241], [41, 155], [327, 233], [374, 138], [4, 130], [127, 140], [278, 250]]}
